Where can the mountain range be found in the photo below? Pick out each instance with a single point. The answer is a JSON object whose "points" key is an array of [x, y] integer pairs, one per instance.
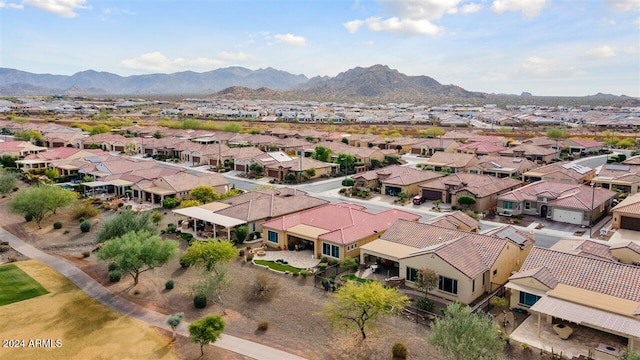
{"points": [[374, 84]]}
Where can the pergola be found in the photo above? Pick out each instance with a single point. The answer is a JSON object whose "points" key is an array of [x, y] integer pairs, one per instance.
{"points": [[211, 217], [96, 184]]}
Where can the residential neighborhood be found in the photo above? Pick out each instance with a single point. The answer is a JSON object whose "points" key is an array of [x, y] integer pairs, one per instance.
{"points": [[551, 226]]}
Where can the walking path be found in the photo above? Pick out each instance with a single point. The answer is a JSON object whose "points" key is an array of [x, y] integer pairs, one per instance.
{"points": [[115, 302]]}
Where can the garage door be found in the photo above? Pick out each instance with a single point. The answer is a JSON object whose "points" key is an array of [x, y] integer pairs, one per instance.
{"points": [[567, 216], [241, 167], [629, 223], [432, 194]]}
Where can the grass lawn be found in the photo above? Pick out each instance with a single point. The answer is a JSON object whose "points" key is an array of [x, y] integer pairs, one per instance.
{"points": [[85, 328], [353, 277], [278, 267], [16, 285]]}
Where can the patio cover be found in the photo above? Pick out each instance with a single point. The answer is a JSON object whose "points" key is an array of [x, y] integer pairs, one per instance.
{"points": [[209, 216], [94, 184], [120, 182], [159, 191], [387, 249], [587, 316], [513, 286]]}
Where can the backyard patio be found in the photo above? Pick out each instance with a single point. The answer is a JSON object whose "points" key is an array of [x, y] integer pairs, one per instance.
{"points": [[582, 341]]}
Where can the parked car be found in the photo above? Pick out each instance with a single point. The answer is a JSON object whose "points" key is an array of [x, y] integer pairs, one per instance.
{"points": [[418, 200]]}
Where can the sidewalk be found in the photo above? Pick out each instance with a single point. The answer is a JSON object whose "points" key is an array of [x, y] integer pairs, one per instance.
{"points": [[113, 301]]}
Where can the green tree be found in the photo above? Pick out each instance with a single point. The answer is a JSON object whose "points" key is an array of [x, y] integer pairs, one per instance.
{"points": [[174, 321], [345, 161], [8, 181], [189, 203], [206, 330], [37, 201], [427, 280], [99, 129], [28, 135], [556, 134], [8, 161], [322, 153], [310, 172], [125, 222], [209, 255], [156, 217], [241, 233], [211, 285], [204, 194], [466, 200], [626, 143], [462, 335], [232, 127], [137, 251], [359, 307], [51, 174]]}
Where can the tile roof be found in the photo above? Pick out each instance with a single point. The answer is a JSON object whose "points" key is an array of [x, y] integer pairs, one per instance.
{"points": [[630, 205], [585, 248], [542, 274], [455, 218], [504, 163], [344, 222], [398, 175], [559, 194], [481, 147], [455, 160], [606, 277], [528, 149], [478, 185], [566, 168], [512, 233]]}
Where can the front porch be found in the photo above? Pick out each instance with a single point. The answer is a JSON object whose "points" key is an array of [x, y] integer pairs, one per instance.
{"points": [[584, 341]]}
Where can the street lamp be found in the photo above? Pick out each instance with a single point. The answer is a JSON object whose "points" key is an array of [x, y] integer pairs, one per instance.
{"points": [[593, 196]]}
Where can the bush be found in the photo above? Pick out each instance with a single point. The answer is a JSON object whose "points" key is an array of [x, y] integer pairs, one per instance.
{"points": [[86, 254], [114, 276], [322, 266], [168, 285], [112, 266], [262, 289], [425, 304], [304, 273], [85, 226], [200, 301], [84, 210], [57, 225], [28, 217], [324, 259], [250, 257], [183, 262], [81, 219], [263, 326], [399, 351], [348, 182]]}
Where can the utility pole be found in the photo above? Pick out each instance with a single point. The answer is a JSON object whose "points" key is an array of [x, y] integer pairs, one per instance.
{"points": [[593, 196]]}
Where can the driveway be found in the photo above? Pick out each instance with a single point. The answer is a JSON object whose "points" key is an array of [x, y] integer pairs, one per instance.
{"points": [[113, 301]]}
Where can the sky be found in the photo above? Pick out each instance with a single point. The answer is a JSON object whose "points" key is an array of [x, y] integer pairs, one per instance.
{"points": [[545, 47]]}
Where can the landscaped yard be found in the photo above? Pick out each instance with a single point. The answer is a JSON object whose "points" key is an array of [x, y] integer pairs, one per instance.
{"points": [[353, 277], [85, 328], [17, 286], [277, 266]]}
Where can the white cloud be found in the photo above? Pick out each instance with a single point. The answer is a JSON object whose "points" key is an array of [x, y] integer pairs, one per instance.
{"points": [[64, 8], [353, 26], [15, 6], [291, 39], [156, 61], [623, 5], [226, 55], [529, 8], [470, 8], [604, 51], [538, 65], [403, 26], [420, 9]]}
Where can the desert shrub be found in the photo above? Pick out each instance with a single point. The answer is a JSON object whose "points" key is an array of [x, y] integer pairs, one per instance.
{"points": [[4, 243], [4, 248], [28, 217], [85, 226], [262, 289], [200, 301], [425, 304], [81, 219], [263, 326], [304, 273], [57, 225], [324, 259], [183, 262], [114, 276], [322, 266], [250, 257], [112, 266], [168, 285], [84, 210], [348, 182], [333, 262], [241, 253], [399, 351], [295, 274], [12, 259], [86, 254]]}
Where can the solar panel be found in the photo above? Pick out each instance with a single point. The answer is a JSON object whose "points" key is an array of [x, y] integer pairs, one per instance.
{"points": [[617, 167]]}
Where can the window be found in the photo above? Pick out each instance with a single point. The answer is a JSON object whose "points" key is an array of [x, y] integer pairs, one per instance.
{"points": [[272, 236], [331, 250], [527, 205], [412, 274], [253, 227], [495, 272], [448, 285], [473, 285], [527, 299], [507, 205], [352, 247], [483, 277]]}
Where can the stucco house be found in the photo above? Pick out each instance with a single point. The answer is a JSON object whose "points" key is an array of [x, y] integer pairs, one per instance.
{"points": [[620, 177], [626, 215], [501, 166], [428, 147], [469, 265], [335, 231], [582, 289], [561, 172], [392, 180], [568, 203], [454, 162]]}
